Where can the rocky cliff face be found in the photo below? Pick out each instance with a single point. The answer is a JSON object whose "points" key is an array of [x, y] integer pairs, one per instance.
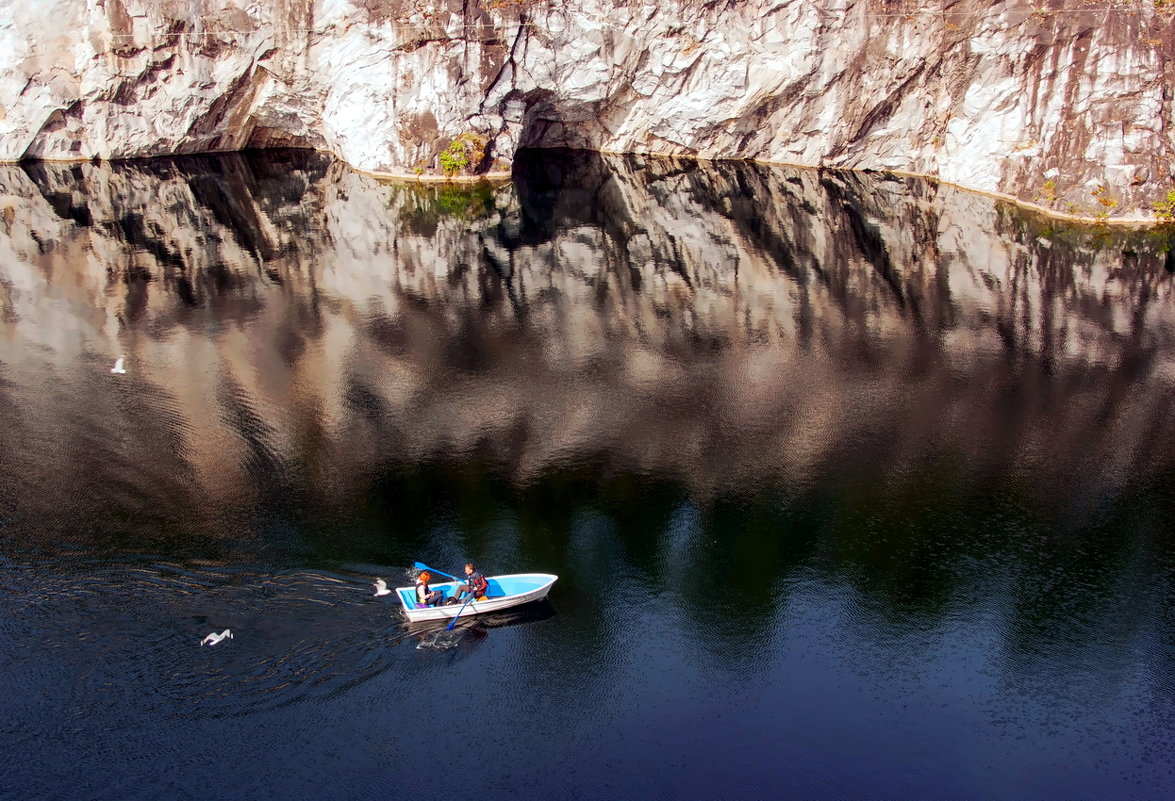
{"points": [[1057, 103]]}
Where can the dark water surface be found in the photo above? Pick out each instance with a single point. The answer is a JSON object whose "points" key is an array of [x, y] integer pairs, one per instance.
{"points": [[857, 487]]}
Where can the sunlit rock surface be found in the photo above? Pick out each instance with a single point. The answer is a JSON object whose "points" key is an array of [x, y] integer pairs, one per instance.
{"points": [[1061, 103], [289, 320]]}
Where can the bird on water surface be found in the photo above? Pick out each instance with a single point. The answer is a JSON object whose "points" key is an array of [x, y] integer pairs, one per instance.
{"points": [[381, 587], [118, 367], [214, 638]]}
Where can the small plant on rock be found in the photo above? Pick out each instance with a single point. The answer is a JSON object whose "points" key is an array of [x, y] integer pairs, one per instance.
{"points": [[1108, 202], [454, 159], [1165, 209], [462, 153]]}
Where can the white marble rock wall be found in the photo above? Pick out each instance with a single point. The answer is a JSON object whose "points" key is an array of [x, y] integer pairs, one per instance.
{"points": [[1043, 101]]}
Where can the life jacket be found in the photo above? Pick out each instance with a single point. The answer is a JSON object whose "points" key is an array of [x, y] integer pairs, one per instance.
{"points": [[478, 585], [421, 592]]}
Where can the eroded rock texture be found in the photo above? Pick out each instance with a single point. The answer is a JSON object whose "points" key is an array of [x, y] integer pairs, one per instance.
{"points": [[1060, 103]]}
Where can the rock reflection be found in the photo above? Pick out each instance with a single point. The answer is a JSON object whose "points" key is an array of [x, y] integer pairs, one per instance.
{"points": [[779, 315], [748, 338]]}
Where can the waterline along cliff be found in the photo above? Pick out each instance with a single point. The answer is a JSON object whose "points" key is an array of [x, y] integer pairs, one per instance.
{"points": [[1066, 105]]}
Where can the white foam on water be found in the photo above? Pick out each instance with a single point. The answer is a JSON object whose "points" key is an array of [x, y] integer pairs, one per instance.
{"points": [[441, 640]]}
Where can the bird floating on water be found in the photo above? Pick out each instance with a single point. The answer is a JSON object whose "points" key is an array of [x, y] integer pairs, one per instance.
{"points": [[118, 365], [214, 638], [381, 587]]}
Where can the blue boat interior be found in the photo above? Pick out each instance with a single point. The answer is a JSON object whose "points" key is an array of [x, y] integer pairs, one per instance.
{"points": [[499, 588]]}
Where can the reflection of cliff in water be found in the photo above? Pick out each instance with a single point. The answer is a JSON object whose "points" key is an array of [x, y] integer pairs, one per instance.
{"points": [[746, 339], [782, 315]]}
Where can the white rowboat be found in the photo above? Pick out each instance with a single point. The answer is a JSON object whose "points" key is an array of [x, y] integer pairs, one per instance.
{"points": [[503, 593]]}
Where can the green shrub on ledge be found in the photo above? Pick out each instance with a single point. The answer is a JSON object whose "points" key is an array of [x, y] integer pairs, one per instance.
{"points": [[1165, 209], [462, 154]]}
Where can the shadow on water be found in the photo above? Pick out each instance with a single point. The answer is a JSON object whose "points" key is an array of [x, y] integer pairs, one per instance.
{"points": [[532, 612], [829, 464]]}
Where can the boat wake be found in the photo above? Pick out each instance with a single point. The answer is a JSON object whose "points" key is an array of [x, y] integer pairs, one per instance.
{"points": [[126, 637]]}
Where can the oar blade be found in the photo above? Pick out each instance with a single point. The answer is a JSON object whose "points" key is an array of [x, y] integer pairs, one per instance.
{"points": [[423, 566]]}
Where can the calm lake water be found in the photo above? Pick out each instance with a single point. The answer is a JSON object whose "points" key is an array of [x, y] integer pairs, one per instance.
{"points": [[858, 487]]}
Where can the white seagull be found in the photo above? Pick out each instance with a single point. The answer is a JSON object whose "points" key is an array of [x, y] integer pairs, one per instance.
{"points": [[381, 587], [214, 638], [118, 366]]}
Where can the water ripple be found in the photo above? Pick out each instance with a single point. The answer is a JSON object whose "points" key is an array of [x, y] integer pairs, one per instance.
{"points": [[132, 636]]}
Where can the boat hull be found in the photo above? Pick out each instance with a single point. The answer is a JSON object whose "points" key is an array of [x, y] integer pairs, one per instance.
{"points": [[505, 592]]}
